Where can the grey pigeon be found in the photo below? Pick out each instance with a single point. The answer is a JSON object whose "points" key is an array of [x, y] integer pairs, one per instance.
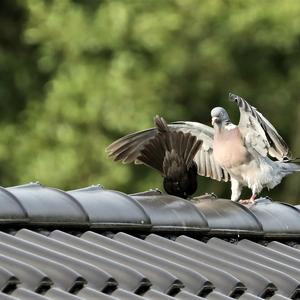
{"points": [[239, 153], [244, 149]]}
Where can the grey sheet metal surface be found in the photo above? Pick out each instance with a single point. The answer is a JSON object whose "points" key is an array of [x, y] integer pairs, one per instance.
{"points": [[12, 210], [253, 282], [173, 268], [97, 208], [227, 217], [50, 206], [110, 209], [279, 220], [70, 245], [168, 212], [98, 268]]}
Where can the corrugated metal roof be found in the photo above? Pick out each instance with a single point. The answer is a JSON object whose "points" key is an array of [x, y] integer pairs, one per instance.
{"points": [[33, 205], [94, 243], [124, 266]]}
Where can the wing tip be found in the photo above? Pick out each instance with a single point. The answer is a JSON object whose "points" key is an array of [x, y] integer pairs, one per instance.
{"points": [[233, 97], [108, 150], [160, 123]]}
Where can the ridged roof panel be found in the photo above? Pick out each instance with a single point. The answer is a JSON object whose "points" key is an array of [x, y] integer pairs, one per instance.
{"points": [[44, 205], [277, 219], [68, 266], [107, 208], [228, 217], [168, 212], [34, 205]]}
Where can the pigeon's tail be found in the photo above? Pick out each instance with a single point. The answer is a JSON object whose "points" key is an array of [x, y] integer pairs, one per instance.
{"points": [[172, 154], [289, 166]]}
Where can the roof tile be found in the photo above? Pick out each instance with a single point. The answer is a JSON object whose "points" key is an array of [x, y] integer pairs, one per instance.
{"points": [[7, 297], [45, 205], [70, 245], [194, 282], [254, 282], [161, 279], [171, 213], [91, 266], [61, 275], [24, 294], [92, 274], [110, 209], [285, 282], [277, 219], [30, 277], [58, 294], [224, 214], [90, 294]]}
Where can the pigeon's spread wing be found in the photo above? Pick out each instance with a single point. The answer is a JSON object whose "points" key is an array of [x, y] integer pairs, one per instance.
{"points": [[131, 147], [259, 133], [204, 157]]}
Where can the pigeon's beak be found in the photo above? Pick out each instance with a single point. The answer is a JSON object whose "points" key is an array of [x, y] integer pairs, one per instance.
{"points": [[214, 120]]}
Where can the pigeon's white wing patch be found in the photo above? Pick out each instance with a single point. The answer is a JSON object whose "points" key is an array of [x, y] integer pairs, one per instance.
{"points": [[253, 141], [204, 157]]}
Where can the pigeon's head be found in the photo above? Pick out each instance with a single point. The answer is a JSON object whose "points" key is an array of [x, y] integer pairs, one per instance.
{"points": [[219, 117]]}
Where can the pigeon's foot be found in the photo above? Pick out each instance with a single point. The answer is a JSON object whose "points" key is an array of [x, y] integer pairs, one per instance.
{"points": [[248, 202]]}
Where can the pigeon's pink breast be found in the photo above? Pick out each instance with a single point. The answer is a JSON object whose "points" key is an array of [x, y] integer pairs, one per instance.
{"points": [[228, 148]]}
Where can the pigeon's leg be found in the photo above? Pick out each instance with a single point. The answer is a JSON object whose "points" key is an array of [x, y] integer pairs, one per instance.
{"points": [[236, 189], [252, 198]]}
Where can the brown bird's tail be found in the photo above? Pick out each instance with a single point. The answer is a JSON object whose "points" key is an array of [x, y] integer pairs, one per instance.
{"points": [[168, 147]]}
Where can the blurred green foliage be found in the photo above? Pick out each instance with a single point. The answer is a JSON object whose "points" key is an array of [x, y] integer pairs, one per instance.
{"points": [[75, 75]]}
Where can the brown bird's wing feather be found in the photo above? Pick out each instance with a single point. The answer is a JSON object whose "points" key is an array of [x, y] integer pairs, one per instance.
{"points": [[156, 153], [127, 148]]}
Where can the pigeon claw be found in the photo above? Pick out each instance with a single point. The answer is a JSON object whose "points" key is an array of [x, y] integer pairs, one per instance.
{"points": [[248, 202]]}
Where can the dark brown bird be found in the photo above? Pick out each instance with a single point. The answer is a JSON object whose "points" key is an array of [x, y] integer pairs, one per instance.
{"points": [[167, 151]]}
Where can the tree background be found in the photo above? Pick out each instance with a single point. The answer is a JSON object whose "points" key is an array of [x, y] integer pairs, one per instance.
{"points": [[76, 75]]}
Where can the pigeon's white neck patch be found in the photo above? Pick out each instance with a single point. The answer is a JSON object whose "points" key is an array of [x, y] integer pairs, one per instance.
{"points": [[230, 126]]}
